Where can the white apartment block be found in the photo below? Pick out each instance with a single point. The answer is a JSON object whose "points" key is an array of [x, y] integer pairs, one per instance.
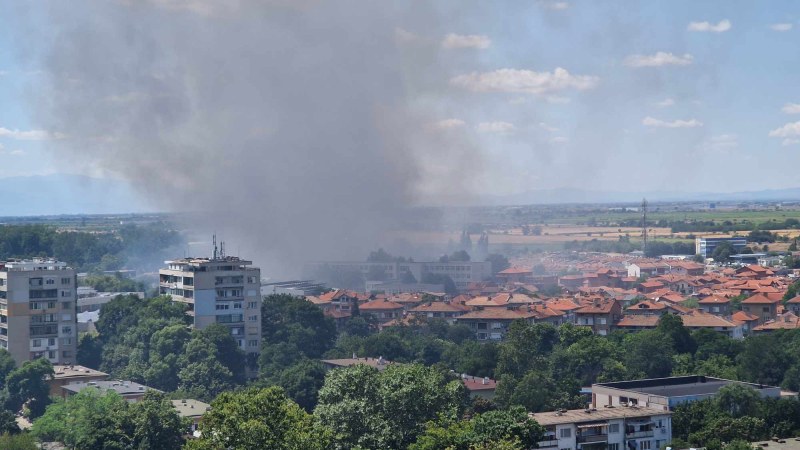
{"points": [[223, 290], [37, 310], [612, 428], [461, 272]]}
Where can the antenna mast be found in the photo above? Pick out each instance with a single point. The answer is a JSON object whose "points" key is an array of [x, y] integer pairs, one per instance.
{"points": [[644, 226], [214, 240]]}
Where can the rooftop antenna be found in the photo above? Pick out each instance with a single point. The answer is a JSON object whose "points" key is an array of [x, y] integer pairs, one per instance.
{"points": [[214, 240], [644, 226], [222, 249]]}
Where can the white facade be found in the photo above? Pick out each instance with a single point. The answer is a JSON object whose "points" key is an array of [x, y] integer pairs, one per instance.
{"points": [[38, 310], [622, 428], [224, 291]]}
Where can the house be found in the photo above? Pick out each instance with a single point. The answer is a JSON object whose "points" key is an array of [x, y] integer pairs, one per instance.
{"points": [[785, 321], [617, 428], [376, 363], [439, 310], [483, 387], [382, 310], [650, 286], [715, 304], [492, 323], [129, 390], [747, 320], [600, 315], [693, 321], [762, 306], [565, 305], [192, 410], [648, 308], [754, 271], [649, 269], [64, 375], [514, 275], [793, 305]]}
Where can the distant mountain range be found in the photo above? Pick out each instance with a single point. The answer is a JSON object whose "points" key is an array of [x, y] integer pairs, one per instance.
{"points": [[569, 195], [67, 194]]}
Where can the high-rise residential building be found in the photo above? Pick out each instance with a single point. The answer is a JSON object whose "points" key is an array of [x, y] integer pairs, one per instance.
{"points": [[37, 310], [223, 290]]}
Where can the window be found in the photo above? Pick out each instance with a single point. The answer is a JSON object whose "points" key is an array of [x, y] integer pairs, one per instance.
{"points": [[252, 318], [644, 445], [613, 446], [66, 305], [66, 281], [37, 342], [252, 305], [51, 354], [252, 343], [765, 309], [602, 321], [35, 281], [221, 306], [66, 341], [66, 293], [65, 317], [240, 343], [66, 330], [566, 433], [49, 281], [51, 342], [66, 354], [613, 428], [237, 306]]}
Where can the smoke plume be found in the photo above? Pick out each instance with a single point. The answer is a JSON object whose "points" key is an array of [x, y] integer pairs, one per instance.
{"points": [[297, 129]]}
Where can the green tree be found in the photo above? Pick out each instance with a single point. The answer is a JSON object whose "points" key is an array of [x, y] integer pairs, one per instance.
{"points": [[258, 419], [368, 408], [723, 252], [155, 423], [27, 385], [490, 430], [671, 325], [289, 319], [738, 400], [90, 351], [648, 354], [18, 442], [7, 365]]}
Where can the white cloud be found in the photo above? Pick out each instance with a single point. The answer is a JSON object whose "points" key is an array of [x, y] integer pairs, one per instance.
{"points": [[658, 59], [651, 122], [722, 26], [558, 140], [448, 124], [547, 127], [30, 135], [781, 26], [791, 108], [788, 130], [495, 127], [665, 103], [553, 5], [790, 141], [454, 41], [523, 81]]}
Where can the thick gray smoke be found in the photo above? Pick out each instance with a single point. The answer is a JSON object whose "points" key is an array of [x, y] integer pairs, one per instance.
{"points": [[295, 128]]}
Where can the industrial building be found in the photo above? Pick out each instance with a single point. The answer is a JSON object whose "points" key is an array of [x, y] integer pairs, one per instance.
{"points": [[704, 246], [37, 310]]}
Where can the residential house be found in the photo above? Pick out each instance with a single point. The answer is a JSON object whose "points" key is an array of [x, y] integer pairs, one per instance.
{"points": [[600, 315], [128, 390], [514, 275], [192, 410], [382, 310], [64, 375], [493, 323], [439, 310], [785, 321], [762, 306], [695, 320], [748, 321], [715, 304], [793, 305]]}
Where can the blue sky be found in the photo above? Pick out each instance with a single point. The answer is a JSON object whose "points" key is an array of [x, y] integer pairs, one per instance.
{"points": [[652, 95]]}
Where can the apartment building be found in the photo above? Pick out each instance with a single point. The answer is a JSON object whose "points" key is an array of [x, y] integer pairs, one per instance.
{"points": [[224, 290], [612, 428], [37, 310]]}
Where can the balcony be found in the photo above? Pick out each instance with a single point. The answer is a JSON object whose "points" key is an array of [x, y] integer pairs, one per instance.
{"points": [[639, 434], [591, 438], [551, 443]]}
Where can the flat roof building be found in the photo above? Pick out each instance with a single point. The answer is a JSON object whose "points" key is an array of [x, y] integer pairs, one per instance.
{"points": [[704, 246], [129, 390], [224, 290], [37, 310], [64, 375], [666, 393], [613, 428]]}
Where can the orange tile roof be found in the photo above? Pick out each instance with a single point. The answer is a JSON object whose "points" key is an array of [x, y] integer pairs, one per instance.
{"points": [[599, 307], [793, 300], [562, 304], [379, 305], [786, 321], [515, 271], [742, 316], [714, 300], [648, 305], [759, 299], [439, 307]]}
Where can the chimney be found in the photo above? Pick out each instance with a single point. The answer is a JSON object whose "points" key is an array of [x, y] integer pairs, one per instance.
{"points": [[485, 380], [355, 356]]}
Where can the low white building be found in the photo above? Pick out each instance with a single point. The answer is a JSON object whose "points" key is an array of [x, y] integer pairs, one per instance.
{"points": [[612, 428]]}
